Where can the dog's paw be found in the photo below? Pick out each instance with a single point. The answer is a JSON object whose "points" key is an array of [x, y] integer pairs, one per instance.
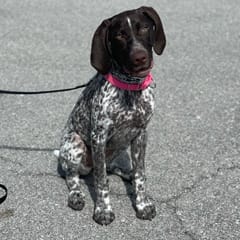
{"points": [[146, 209], [76, 200], [103, 216]]}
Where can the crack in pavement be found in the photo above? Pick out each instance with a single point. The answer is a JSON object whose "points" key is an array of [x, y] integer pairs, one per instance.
{"points": [[189, 234], [171, 202], [189, 189], [7, 160]]}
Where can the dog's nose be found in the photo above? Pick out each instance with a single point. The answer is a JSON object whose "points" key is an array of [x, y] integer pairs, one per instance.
{"points": [[139, 57]]}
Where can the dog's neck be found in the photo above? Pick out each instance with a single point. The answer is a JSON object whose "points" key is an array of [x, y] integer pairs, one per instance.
{"points": [[125, 81]]}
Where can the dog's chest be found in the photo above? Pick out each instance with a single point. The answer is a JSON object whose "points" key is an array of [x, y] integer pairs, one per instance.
{"points": [[136, 113], [127, 112]]}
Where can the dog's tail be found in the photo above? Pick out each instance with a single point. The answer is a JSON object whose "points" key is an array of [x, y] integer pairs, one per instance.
{"points": [[56, 153]]}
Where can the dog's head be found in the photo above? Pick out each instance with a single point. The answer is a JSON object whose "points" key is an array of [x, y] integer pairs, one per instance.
{"points": [[128, 39]]}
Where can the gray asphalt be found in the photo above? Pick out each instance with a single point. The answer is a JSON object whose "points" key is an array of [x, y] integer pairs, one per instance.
{"points": [[194, 139]]}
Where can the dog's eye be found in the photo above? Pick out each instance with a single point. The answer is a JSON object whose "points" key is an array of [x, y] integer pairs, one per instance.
{"points": [[120, 35]]}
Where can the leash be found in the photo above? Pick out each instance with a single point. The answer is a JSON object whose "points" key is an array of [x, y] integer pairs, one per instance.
{"points": [[42, 92], [2, 199]]}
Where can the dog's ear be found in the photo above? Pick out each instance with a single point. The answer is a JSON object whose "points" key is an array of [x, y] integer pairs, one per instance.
{"points": [[100, 57], [159, 35]]}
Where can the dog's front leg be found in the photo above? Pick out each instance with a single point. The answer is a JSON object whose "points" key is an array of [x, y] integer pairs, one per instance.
{"points": [[145, 209], [103, 213]]}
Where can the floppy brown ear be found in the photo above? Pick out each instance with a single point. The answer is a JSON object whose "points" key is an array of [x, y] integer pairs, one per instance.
{"points": [[159, 35], [100, 58]]}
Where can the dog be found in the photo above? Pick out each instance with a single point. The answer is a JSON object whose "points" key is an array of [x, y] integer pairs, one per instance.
{"points": [[113, 111]]}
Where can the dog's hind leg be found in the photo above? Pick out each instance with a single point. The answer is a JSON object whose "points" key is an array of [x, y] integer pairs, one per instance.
{"points": [[72, 163]]}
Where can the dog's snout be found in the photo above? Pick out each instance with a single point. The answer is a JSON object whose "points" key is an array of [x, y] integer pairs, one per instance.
{"points": [[139, 57]]}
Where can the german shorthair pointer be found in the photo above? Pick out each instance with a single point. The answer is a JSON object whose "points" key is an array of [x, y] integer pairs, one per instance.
{"points": [[113, 111]]}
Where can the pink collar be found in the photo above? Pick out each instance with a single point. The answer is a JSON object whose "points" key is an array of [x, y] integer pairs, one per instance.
{"points": [[129, 86]]}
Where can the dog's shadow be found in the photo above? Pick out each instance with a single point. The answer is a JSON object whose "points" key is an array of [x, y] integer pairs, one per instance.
{"points": [[122, 163]]}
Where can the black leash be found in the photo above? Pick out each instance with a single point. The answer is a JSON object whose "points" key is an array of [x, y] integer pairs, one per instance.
{"points": [[2, 199], [42, 92]]}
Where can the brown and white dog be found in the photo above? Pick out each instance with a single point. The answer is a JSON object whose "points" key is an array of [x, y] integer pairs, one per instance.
{"points": [[112, 113]]}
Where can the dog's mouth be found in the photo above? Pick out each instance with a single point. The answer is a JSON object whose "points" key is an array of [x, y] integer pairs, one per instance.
{"points": [[139, 71]]}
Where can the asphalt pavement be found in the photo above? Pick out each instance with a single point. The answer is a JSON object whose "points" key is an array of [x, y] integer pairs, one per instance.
{"points": [[193, 170]]}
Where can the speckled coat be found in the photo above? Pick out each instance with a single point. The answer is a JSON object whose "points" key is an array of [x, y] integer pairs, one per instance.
{"points": [[106, 120]]}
